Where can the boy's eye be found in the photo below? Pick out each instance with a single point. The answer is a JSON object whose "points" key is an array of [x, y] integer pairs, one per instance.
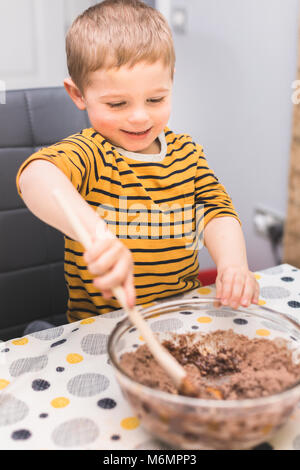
{"points": [[156, 100], [122, 103], [116, 105]]}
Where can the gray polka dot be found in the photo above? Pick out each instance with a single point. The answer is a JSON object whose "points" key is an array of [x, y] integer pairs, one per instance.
{"points": [[94, 344], [222, 312], [87, 385], [27, 364], [296, 443], [11, 410], [75, 432], [48, 335], [274, 292], [166, 325], [273, 271]]}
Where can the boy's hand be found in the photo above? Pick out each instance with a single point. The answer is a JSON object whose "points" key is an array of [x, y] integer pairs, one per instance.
{"points": [[111, 261], [237, 286]]}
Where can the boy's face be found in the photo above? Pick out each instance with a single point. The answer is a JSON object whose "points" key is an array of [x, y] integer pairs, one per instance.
{"points": [[128, 106]]}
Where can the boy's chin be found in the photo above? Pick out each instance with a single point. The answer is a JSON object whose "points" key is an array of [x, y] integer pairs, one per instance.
{"points": [[137, 148]]}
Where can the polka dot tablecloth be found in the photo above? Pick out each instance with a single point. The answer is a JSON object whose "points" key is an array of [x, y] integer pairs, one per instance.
{"points": [[58, 390]]}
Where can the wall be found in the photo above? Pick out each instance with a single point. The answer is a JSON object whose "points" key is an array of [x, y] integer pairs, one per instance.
{"points": [[32, 52], [235, 67]]}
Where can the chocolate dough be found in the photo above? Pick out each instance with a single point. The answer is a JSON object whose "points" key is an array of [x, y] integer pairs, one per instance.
{"points": [[222, 364]]}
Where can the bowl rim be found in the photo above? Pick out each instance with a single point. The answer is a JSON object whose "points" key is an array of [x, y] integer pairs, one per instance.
{"points": [[193, 401]]}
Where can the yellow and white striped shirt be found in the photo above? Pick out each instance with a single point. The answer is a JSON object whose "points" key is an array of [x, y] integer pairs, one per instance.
{"points": [[152, 206]]}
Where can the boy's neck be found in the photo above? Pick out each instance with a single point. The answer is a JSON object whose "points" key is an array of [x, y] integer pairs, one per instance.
{"points": [[154, 148]]}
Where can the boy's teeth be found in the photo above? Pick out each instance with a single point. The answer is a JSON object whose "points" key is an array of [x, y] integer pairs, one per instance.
{"points": [[138, 133]]}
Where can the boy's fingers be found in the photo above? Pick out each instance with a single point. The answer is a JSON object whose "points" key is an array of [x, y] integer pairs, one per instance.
{"points": [[237, 290], [256, 294], [218, 288], [98, 247], [107, 294], [105, 262], [226, 289], [113, 278], [247, 295]]}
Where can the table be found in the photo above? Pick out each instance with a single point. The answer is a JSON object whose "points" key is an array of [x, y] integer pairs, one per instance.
{"points": [[58, 390]]}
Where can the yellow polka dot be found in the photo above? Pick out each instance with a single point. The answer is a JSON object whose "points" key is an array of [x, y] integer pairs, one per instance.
{"points": [[263, 332], [261, 302], [257, 276], [204, 319], [60, 402], [87, 321], [3, 383], [204, 290], [74, 358], [130, 423], [20, 342], [141, 338]]}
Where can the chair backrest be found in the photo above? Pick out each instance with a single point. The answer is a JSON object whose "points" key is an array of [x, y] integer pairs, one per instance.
{"points": [[32, 284]]}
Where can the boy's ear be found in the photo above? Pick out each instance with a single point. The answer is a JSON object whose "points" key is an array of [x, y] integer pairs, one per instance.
{"points": [[74, 93]]}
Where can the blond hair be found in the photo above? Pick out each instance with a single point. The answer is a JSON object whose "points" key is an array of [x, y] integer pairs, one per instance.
{"points": [[115, 33]]}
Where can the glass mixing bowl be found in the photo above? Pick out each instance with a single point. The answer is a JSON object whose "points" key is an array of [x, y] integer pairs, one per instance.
{"points": [[192, 423]]}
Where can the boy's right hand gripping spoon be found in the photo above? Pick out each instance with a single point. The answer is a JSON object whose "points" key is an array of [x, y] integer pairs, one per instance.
{"points": [[175, 371]]}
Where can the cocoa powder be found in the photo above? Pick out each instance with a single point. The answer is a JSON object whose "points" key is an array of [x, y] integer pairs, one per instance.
{"points": [[222, 364]]}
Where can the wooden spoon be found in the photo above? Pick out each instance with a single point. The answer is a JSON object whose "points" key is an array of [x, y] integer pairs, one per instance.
{"points": [[172, 367]]}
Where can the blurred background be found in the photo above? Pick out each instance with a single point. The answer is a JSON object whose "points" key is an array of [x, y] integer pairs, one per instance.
{"points": [[236, 65]]}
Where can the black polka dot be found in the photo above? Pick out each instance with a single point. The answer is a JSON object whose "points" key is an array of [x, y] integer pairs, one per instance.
{"points": [[294, 304], [195, 297], [240, 321], [60, 369], [5, 350], [294, 269], [135, 345], [115, 437], [132, 330], [40, 384], [61, 341], [185, 312], [21, 435], [287, 279], [107, 403], [263, 446], [43, 415], [194, 327], [75, 329], [294, 339]]}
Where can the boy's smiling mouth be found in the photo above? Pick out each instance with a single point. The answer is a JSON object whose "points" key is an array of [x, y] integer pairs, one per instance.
{"points": [[137, 134]]}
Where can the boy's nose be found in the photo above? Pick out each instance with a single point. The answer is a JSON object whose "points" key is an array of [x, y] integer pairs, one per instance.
{"points": [[138, 116]]}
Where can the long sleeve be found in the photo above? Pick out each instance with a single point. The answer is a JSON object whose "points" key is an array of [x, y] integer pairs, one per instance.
{"points": [[210, 193]]}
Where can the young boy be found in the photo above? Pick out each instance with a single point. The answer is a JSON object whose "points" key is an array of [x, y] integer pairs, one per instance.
{"points": [[121, 64]]}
